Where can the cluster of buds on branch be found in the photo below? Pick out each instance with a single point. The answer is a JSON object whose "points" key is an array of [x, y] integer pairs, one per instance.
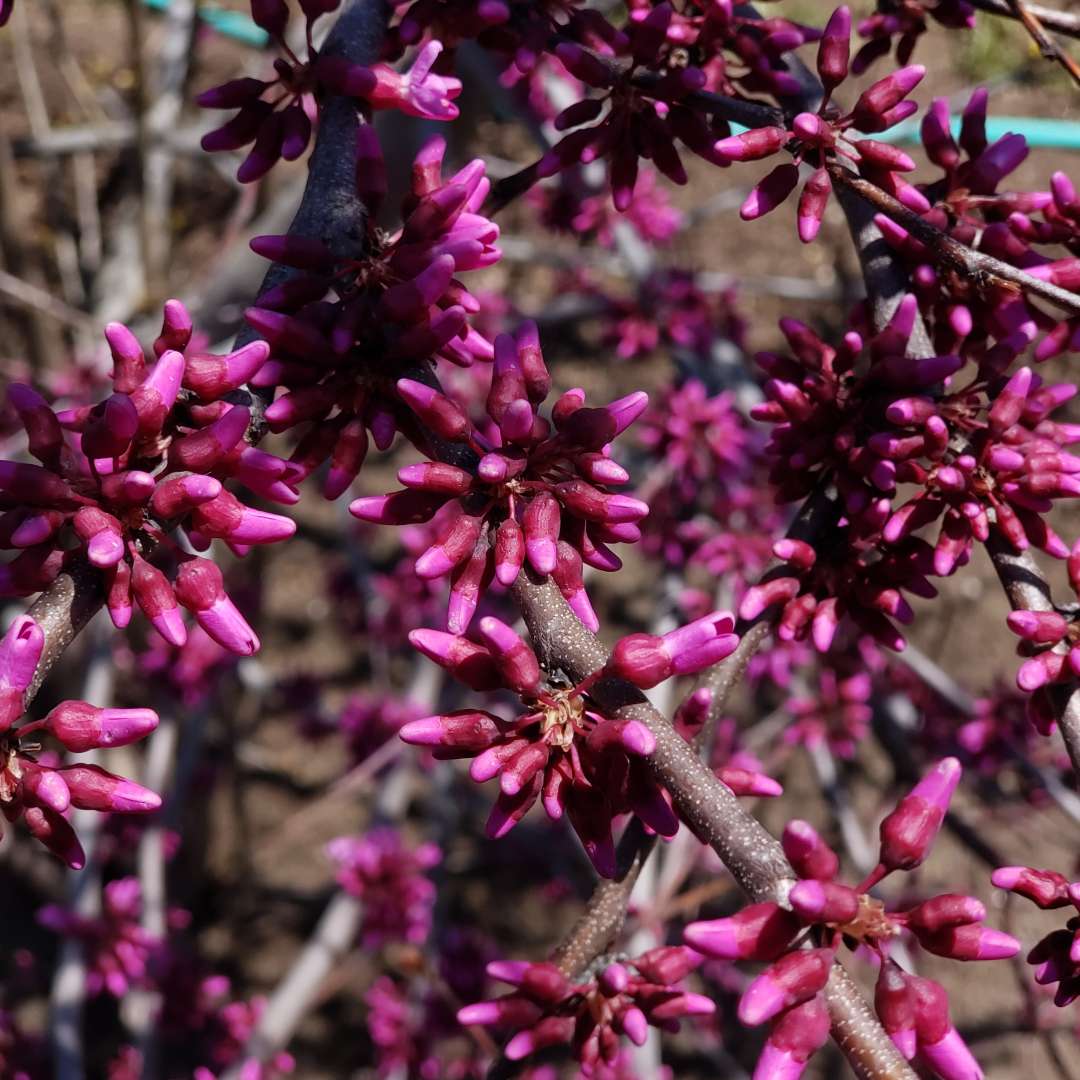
{"points": [[800, 938]]}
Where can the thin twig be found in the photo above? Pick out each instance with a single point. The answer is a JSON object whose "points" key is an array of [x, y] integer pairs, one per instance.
{"points": [[1063, 22]]}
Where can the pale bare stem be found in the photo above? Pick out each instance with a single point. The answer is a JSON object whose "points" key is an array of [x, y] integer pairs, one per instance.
{"points": [[707, 806], [1056, 19]]}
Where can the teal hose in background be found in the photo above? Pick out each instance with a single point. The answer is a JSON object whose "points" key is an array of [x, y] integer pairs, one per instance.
{"points": [[234, 24], [1055, 134]]}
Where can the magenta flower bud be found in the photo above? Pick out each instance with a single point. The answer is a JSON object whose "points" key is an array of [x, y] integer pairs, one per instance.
{"points": [[634, 1026], [601, 470], [129, 363], [668, 964], [541, 523], [1010, 402], [20, 651], [286, 333], [92, 788], [969, 943], [271, 15], [751, 145], [210, 376], [950, 1058], [436, 476], [1040, 627], [80, 726], [569, 578], [436, 410], [507, 380], [118, 595], [949, 909], [467, 731], [200, 588], [613, 980], [176, 328], [909, 831], [877, 100], [56, 834], [110, 427], [812, 203], [511, 1011], [177, 495], [588, 502], [894, 1002], [453, 547], [794, 1038], [884, 155], [537, 377], [759, 597], [758, 932], [410, 299], [747, 783], [229, 519], [509, 552], [551, 1031], [808, 853], [155, 396], [1046, 888], [472, 664], [45, 787], [584, 65], [768, 193], [1039, 671], [794, 978], [641, 659], [398, 508], [827, 902], [514, 658], [102, 535], [155, 598], [232, 94], [797, 552], [202, 450], [518, 422], [834, 49]]}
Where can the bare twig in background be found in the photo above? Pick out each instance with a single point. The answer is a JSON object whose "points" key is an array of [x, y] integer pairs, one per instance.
{"points": [[1049, 48]]}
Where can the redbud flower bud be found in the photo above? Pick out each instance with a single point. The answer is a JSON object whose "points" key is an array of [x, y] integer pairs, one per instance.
{"points": [[794, 978], [758, 932], [808, 853], [909, 831], [81, 726], [792, 1041]]}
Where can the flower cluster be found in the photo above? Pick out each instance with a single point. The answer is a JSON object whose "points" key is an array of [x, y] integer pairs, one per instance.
{"points": [[906, 21], [278, 114], [530, 490], [380, 870], [1057, 956], [982, 454], [913, 1010], [41, 794], [396, 307], [819, 139], [565, 748], [965, 312], [117, 478], [120, 952], [548, 1009]]}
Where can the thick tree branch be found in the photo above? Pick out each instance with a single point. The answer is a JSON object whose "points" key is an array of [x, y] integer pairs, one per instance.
{"points": [[707, 806]]}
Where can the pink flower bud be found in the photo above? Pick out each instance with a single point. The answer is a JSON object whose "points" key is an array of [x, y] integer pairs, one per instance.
{"points": [[155, 597], [768, 193], [758, 932], [1046, 888], [110, 427], [1040, 627], [569, 578], [794, 978], [467, 731], [834, 49], [894, 1002], [969, 943], [92, 788], [56, 834], [464, 659], [514, 658], [199, 587], [877, 100], [746, 782], [808, 853], [541, 523], [210, 377], [398, 508], [909, 831], [826, 902], [792, 1041], [667, 965], [751, 145], [81, 726], [436, 410]]}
